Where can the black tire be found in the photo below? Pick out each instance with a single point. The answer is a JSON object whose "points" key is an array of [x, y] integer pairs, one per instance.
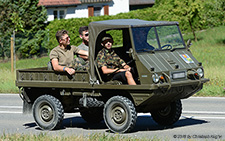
{"points": [[48, 112], [92, 102], [119, 114], [168, 115], [92, 114]]}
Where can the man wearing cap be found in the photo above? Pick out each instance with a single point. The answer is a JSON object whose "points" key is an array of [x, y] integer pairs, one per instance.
{"points": [[111, 64]]}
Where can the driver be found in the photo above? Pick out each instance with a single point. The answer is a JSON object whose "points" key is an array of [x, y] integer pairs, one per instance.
{"points": [[111, 64]]}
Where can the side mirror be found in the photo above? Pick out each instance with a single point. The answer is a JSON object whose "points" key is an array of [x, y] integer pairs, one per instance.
{"points": [[189, 43]]}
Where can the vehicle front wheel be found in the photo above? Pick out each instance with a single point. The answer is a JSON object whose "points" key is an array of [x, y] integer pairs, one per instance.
{"points": [[119, 114], [48, 112], [168, 115]]}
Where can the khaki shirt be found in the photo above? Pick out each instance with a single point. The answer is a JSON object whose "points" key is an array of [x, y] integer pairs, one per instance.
{"points": [[64, 56]]}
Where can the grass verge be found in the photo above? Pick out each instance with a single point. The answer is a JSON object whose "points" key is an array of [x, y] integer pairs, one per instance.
{"points": [[209, 49], [91, 137]]}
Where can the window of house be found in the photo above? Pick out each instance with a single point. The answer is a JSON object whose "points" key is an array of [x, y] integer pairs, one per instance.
{"points": [[59, 14], [97, 11]]}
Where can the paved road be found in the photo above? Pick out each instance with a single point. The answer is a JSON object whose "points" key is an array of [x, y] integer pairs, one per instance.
{"points": [[202, 118]]}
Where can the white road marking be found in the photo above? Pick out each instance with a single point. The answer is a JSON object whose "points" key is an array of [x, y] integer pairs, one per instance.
{"points": [[193, 112], [199, 117], [77, 114], [221, 98], [9, 94], [139, 114], [203, 112], [10, 112], [13, 107]]}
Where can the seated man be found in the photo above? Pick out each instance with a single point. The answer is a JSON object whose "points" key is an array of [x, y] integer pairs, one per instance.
{"points": [[111, 64], [62, 56], [83, 59], [84, 35]]}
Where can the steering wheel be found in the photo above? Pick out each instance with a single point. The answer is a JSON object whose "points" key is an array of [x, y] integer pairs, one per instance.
{"points": [[167, 46]]}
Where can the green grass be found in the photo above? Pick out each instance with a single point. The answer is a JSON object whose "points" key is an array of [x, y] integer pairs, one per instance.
{"points": [[7, 78], [91, 137], [209, 49]]}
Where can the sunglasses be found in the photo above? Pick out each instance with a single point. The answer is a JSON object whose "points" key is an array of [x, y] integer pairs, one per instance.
{"points": [[106, 41], [66, 39], [86, 34]]}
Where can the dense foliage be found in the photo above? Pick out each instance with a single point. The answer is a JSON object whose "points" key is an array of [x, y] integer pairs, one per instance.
{"points": [[27, 20], [192, 15]]}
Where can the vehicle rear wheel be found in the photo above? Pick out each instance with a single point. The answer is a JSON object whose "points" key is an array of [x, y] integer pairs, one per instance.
{"points": [[168, 115], [48, 112], [119, 114], [92, 114]]}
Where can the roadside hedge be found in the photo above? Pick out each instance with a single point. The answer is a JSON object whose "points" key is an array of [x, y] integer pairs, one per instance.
{"points": [[211, 14]]}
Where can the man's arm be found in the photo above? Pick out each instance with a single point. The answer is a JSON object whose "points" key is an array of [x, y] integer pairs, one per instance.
{"points": [[83, 52], [106, 70], [83, 57], [57, 67]]}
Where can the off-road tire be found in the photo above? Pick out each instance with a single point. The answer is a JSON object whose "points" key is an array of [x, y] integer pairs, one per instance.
{"points": [[92, 114], [168, 115], [92, 102], [119, 114], [48, 112]]}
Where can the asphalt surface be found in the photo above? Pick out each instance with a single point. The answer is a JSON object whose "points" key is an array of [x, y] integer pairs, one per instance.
{"points": [[202, 118]]}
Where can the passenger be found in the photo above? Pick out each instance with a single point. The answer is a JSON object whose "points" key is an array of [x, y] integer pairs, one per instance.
{"points": [[111, 64], [62, 56], [84, 35]]}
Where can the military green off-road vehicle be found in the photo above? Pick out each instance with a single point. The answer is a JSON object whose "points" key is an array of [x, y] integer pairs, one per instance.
{"points": [[163, 67]]}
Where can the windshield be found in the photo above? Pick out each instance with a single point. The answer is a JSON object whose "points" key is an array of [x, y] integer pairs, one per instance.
{"points": [[157, 38]]}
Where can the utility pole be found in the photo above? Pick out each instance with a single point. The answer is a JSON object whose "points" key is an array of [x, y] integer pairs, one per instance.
{"points": [[13, 61]]}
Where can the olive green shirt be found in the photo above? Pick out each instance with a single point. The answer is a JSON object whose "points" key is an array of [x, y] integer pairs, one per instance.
{"points": [[64, 56]]}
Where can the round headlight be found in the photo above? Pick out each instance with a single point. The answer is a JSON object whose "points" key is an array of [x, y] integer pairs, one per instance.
{"points": [[200, 72], [155, 78]]}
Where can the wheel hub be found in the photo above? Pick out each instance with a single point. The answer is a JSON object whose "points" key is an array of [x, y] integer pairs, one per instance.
{"points": [[118, 115], [165, 111], [46, 113]]}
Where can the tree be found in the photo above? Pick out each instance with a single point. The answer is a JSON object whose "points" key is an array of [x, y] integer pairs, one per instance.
{"points": [[214, 13], [24, 17], [185, 11]]}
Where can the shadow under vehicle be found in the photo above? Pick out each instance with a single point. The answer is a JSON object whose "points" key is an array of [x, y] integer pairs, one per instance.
{"points": [[163, 66]]}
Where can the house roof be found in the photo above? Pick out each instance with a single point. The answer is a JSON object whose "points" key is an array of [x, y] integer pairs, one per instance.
{"points": [[141, 2], [94, 1], [54, 3]]}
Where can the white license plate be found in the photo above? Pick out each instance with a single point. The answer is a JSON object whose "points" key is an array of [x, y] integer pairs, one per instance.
{"points": [[178, 75]]}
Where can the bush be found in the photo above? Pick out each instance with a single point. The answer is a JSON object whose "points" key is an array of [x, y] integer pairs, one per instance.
{"points": [[211, 14]]}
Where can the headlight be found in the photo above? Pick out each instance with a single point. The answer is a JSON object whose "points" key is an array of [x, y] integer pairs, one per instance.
{"points": [[200, 72], [155, 78]]}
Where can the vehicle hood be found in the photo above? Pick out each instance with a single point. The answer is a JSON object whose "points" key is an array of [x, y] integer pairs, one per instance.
{"points": [[167, 60]]}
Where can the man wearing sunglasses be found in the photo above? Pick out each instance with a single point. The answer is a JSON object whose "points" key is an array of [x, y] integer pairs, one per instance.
{"points": [[112, 65], [84, 35], [62, 56]]}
